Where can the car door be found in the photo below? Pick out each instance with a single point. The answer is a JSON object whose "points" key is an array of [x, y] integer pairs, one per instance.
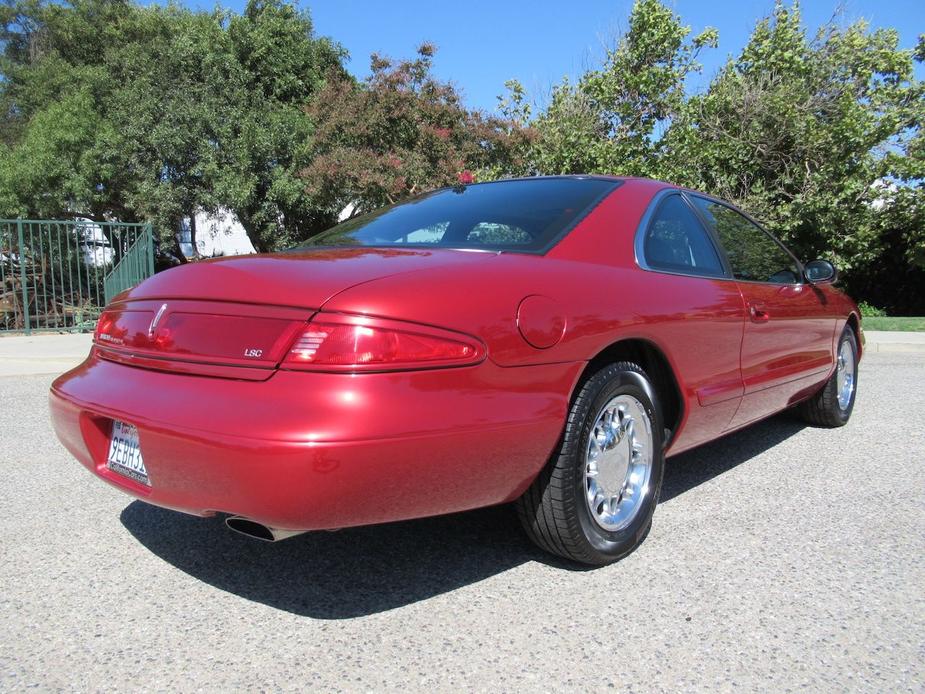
{"points": [[787, 341], [694, 306]]}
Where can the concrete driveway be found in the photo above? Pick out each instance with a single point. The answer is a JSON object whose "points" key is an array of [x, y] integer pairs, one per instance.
{"points": [[781, 558], [29, 355]]}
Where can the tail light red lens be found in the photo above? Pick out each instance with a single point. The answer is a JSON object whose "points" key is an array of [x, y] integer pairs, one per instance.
{"points": [[110, 330], [103, 326], [342, 343]]}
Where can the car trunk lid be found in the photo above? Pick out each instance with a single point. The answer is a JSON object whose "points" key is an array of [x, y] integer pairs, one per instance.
{"points": [[204, 337], [236, 317], [306, 279]]}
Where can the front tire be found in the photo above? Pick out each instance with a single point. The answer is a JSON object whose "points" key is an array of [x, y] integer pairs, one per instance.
{"points": [[832, 406], [593, 502]]}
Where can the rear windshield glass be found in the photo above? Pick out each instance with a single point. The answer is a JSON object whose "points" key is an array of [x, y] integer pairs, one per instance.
{"points": [[527, 215]]}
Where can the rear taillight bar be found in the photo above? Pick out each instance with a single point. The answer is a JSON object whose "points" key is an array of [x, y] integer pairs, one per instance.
{"points": [[342, 342]]}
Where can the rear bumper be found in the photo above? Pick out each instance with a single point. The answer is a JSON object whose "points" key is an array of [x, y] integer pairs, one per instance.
{"points": [[308, 451]]}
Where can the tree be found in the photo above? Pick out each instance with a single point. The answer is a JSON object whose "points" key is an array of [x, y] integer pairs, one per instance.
{"points": [[172, 113], [613, 118], [281, 66], [50, 110], [401, 132], [112, 110], [817, 137], [820, 137]]}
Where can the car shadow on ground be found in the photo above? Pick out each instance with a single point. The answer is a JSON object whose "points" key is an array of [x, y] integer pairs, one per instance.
{"points": [[362, 571], [693, 468]]}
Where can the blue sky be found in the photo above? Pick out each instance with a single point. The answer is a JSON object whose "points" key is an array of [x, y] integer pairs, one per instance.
{"points": [[483, 44]]}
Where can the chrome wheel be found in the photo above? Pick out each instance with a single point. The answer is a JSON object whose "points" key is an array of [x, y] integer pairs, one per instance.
{"points": [[844, 374], [618, 462]]}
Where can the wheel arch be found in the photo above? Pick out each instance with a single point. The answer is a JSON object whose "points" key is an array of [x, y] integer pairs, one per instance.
{"points": [[855, 324], [657, 367]]}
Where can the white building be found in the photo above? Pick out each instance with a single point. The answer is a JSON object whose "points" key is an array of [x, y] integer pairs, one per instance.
{"points": [[216, 235]]}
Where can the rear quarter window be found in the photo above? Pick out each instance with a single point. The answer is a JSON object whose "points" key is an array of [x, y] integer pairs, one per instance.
{"points": [[676, 241]]}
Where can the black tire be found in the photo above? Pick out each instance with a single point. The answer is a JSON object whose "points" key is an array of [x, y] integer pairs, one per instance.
{"points": [[554, 510], [823, 409]]}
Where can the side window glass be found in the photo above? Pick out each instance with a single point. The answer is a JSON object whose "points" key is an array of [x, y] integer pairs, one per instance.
{"points": [[753, 255], [676, 241]]}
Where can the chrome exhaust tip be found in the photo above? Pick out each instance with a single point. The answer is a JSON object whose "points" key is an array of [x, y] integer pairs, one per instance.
{"points": [[259, 531]]}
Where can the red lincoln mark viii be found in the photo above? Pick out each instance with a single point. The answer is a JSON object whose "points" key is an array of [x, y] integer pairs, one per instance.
{"points": [[546, 341]]}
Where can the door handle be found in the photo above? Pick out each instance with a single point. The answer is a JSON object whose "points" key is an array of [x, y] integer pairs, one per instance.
{"points": [[758, 313]]}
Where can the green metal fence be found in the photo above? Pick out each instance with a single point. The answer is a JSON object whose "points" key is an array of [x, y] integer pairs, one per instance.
{"points": [[58, 275]]}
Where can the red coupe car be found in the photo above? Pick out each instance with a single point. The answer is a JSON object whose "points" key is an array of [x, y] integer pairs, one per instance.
{"points": [[544, 341]]}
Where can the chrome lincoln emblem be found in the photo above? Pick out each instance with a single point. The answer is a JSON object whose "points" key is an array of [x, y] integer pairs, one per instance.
{"points": [[157, 317]]}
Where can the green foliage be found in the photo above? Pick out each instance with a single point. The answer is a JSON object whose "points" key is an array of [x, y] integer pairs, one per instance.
{"points": [[399, 133], [818, 136], [55, 151], [868, 311], [282, 67], [613, 118], [113, 110], [791, 130], [813, 136]]}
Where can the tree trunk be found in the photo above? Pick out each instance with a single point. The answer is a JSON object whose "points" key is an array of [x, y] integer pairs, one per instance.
{"points": [[177, 243], [192, 234], [253, 235]]}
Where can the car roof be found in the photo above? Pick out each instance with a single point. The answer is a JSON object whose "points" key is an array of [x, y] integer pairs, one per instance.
{"points": [[599, 177]]}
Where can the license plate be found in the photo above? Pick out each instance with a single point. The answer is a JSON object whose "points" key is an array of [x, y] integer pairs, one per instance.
{"points": [[125, 453]]}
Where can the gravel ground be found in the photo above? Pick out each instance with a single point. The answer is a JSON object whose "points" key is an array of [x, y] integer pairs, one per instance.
{"points": [[782, 558]]}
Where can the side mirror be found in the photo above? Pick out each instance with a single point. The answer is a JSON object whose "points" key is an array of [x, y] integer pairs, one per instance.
{"points": [[819, 271]]}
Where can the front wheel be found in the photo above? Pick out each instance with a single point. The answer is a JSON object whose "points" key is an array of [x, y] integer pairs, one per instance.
{"points": [[593, 502], [832, 406]]}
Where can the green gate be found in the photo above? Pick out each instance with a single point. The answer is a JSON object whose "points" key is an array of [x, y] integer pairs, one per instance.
{"points": [[59, 274], [135, 265]]}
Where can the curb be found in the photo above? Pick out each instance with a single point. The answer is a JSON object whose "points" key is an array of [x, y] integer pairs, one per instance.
{"points": [[896, 347], [897, 342]]}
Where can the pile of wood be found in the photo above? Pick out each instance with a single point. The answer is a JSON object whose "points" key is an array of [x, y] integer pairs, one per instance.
{"points": [[53, 302]]}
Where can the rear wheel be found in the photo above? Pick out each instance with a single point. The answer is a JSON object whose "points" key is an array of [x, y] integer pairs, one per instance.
{"points": [[832, 406], [594, 500]]}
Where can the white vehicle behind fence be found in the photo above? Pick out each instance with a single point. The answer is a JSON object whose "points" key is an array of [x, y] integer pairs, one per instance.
{"points": [[95, 248]]}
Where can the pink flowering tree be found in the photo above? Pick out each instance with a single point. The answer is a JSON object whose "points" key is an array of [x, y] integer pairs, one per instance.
{"points": [[399, 133]]}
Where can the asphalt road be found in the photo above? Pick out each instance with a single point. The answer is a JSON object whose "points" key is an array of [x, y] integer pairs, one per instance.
{"points": [[782, 558]]}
